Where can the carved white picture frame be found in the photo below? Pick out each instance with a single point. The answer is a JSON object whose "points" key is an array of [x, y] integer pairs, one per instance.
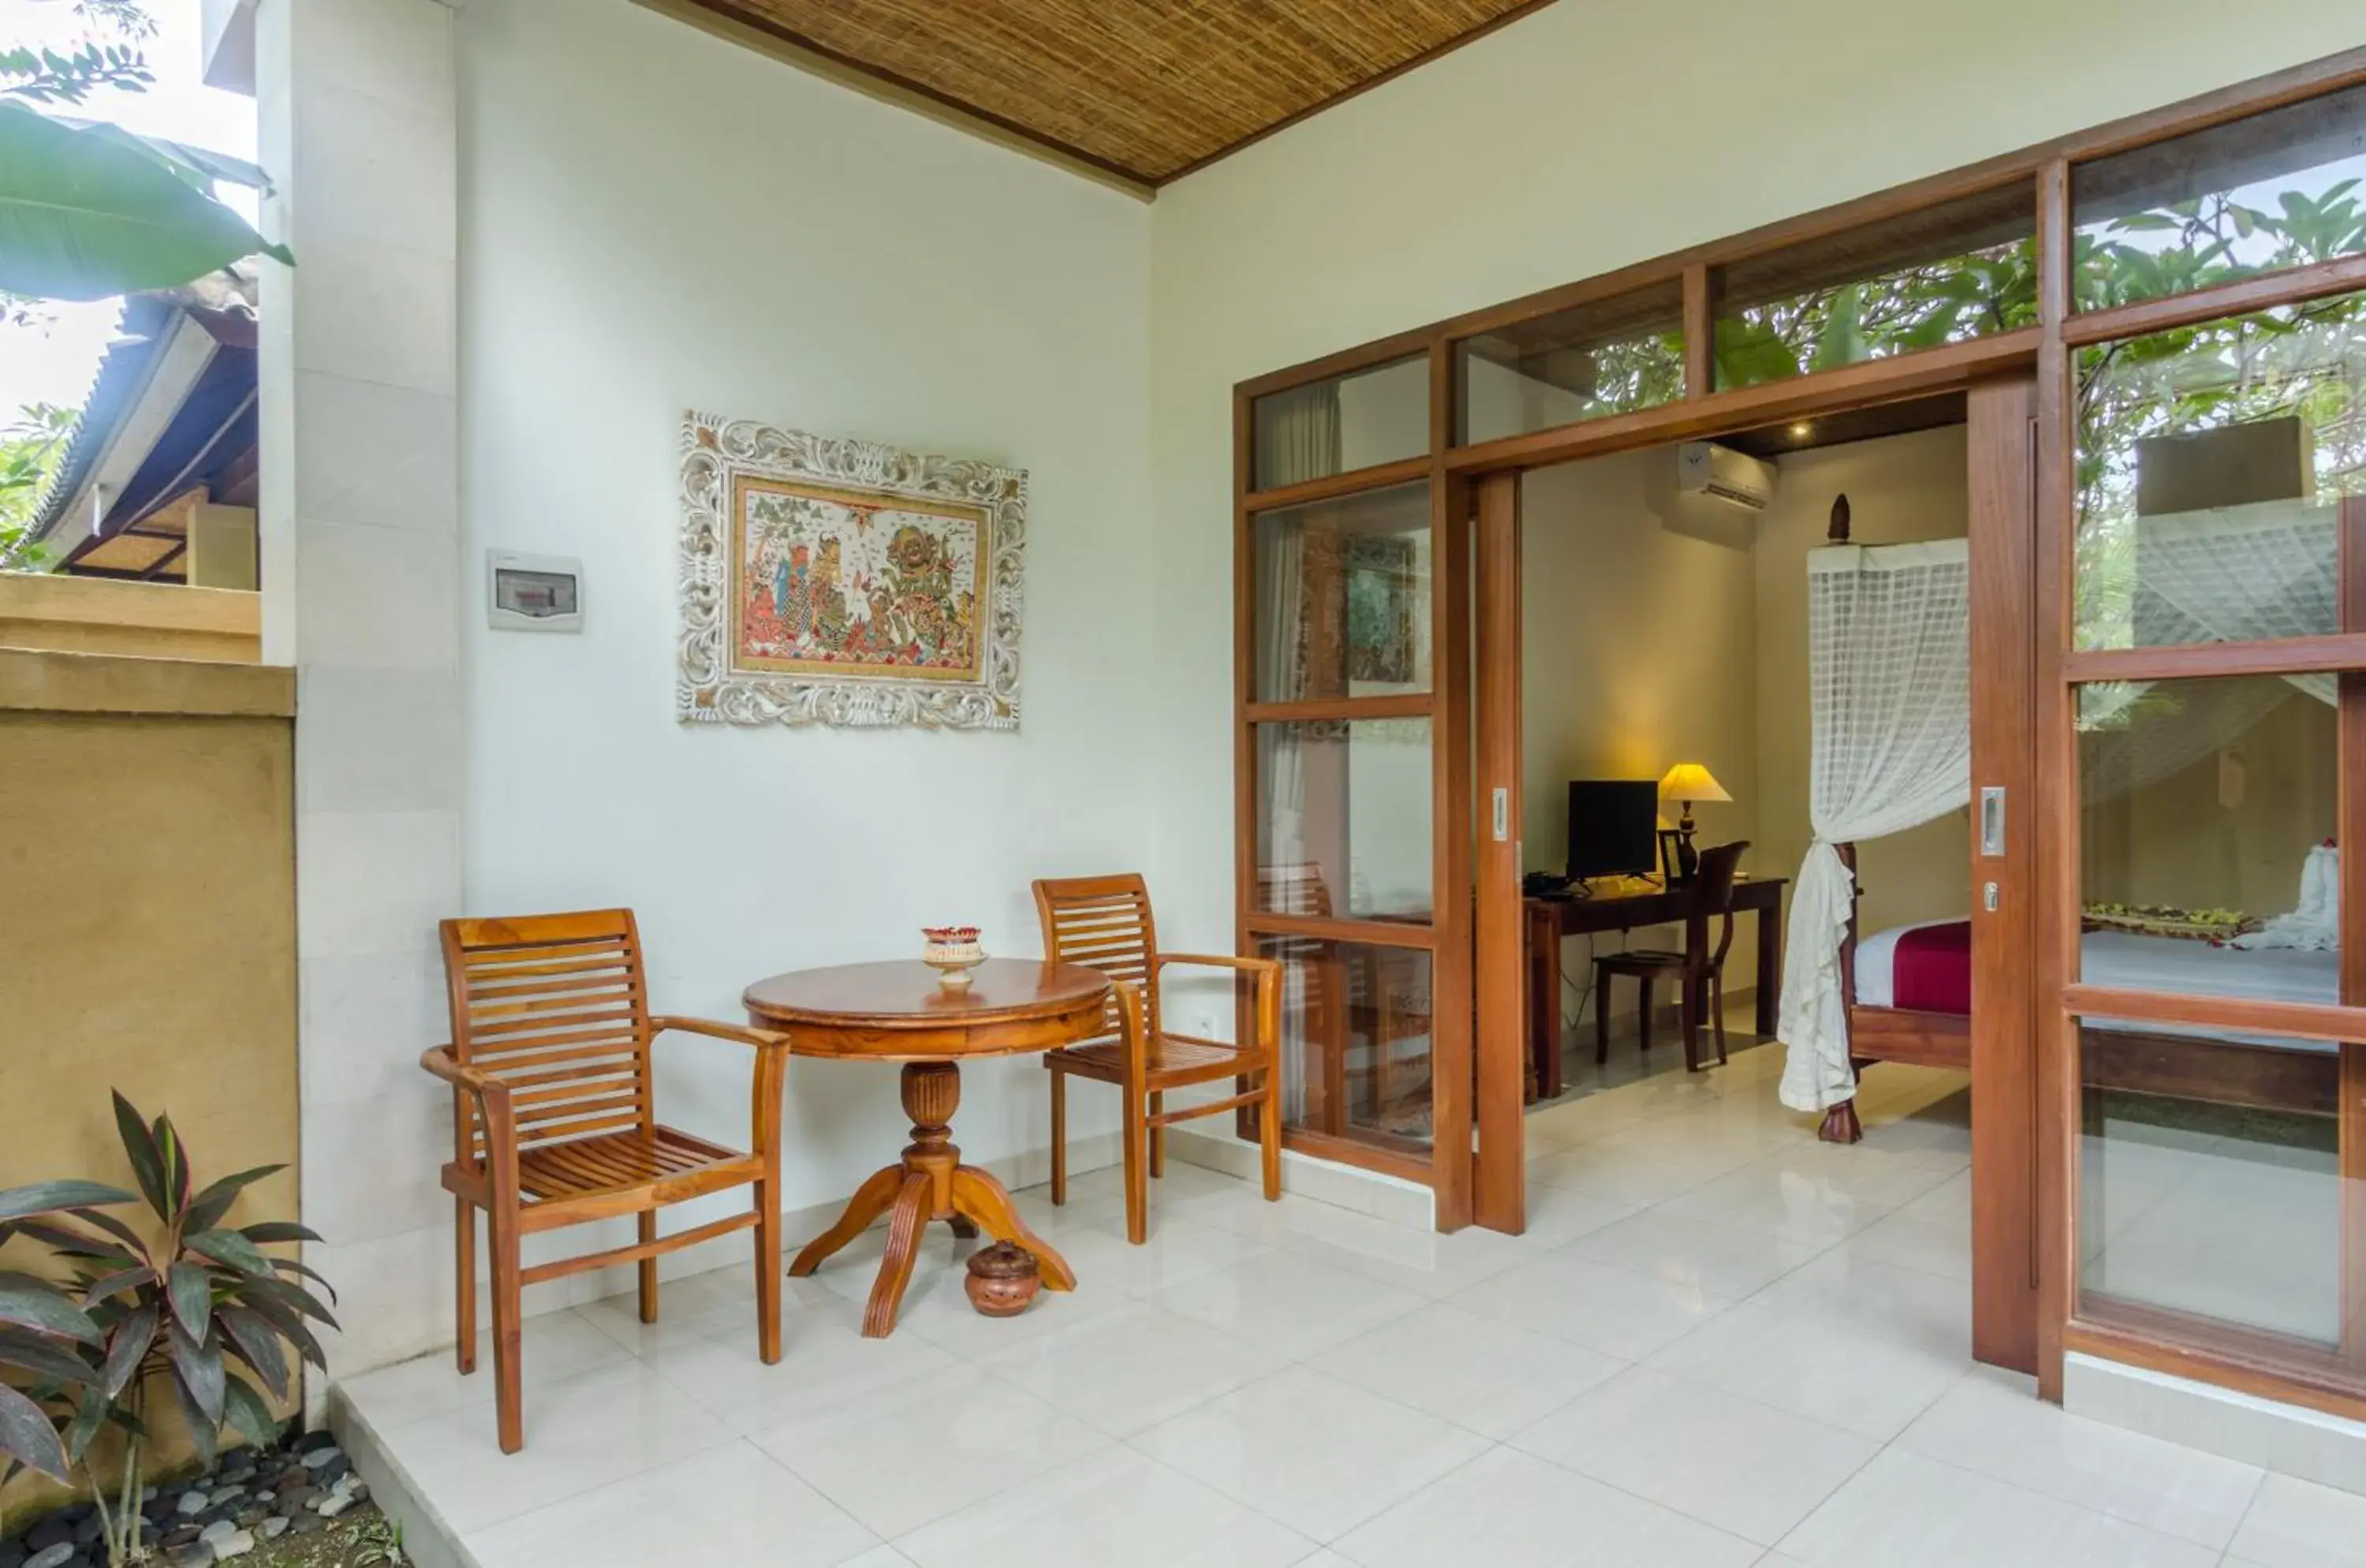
{"points": [[718, 455]]}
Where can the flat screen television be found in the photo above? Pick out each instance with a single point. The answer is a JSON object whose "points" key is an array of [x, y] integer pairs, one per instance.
{"points": [[1614, 827]]}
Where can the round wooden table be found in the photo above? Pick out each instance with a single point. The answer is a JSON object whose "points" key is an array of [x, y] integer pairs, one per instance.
{"points": [[901, 1012]]}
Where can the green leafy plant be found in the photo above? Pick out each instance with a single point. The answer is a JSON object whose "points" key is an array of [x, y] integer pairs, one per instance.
{"points": [[88, 211], [176, 1311], [30, 451], [378, 1541]]}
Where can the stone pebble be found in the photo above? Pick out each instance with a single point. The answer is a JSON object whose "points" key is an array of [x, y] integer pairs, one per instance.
{"points": [[254, 1498]]}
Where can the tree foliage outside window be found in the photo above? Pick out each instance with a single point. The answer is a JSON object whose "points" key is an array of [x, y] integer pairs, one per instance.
{"points": [[2306, 362], [1973, 295], [1638, 373]]}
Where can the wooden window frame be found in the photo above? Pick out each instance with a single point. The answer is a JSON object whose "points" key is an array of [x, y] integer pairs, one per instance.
{"points": [[2047, 349], [1446, 936]]}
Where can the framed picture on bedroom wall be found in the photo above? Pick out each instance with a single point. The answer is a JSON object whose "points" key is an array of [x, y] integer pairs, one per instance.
{"points": [[1385, 596], [844, 582]]}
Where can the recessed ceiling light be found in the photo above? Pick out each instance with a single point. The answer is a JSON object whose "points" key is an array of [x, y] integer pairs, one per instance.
{"points": [[1801, 431]]}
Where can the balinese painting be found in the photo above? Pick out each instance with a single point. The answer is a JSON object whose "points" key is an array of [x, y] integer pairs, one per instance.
{"points": [[843, 582], [838, 583]]}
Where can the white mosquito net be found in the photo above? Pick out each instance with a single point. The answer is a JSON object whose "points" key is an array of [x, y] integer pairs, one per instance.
{"points": [[1890, 678]]}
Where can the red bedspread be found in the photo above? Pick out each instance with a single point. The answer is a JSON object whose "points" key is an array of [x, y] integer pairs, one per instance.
{"points": [[1932, 968]]}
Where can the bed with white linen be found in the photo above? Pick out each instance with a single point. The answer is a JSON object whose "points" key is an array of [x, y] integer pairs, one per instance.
{"points": [[1904, 1007]]}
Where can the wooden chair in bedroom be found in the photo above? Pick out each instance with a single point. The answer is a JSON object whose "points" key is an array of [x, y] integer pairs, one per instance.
{"points": [[1104, 923], [553, 1122], [1699, 970]]}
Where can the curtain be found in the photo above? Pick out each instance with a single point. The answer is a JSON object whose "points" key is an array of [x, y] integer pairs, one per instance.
{"points": [[2239, 574], [1890, 673], [2133, 734], [2228, 574], [1297, 438]]}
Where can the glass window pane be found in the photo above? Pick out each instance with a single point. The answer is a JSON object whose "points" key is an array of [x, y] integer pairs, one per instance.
{"points": [[2205, 810], [2280, 189], [1343, 597], [1349, 422], [2210, 1182], [1606, 357], [1355, 1041], [1344, 819], [1942, 275], [2210, 463]]}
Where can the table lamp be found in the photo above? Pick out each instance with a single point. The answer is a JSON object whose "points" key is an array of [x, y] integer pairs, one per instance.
{"points": [[1686, 782]]}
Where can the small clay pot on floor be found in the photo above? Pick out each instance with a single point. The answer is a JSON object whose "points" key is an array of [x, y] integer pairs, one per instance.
{"points": [[1003, 1280]]}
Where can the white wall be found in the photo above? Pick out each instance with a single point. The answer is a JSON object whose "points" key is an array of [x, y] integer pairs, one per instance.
{"points": [[652, 220], [1638, 651], [1500, 169], [359, 530]]}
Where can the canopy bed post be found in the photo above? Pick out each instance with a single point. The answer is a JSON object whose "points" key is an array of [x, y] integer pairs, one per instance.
{"points": [[1841, 1124]]}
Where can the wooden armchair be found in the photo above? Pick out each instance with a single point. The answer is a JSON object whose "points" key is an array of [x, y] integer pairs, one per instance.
{"points": [[1104, 922], [1699, 970], [553, 1123]]}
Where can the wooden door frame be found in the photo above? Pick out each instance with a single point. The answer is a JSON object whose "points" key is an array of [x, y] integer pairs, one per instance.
{"points": [[2000, 475], [1499, 957], [1454, 471], [2001, 468]]}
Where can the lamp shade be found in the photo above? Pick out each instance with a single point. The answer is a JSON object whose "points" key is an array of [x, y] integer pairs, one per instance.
{"points": [[1690, 781]]}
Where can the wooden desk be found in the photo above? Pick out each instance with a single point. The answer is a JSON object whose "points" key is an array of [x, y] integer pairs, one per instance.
{"points": [[899, 1012], [1551, 920]]}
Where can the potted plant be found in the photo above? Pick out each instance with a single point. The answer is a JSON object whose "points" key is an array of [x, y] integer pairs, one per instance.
{"points": [[176, 1310]]}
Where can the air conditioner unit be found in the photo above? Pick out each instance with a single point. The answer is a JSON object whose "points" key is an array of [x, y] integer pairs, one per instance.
{"points": [[1703, 467]]}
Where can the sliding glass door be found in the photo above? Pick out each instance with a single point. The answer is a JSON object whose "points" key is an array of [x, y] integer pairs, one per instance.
{"points": [[2209, 758], [1353, 579]]}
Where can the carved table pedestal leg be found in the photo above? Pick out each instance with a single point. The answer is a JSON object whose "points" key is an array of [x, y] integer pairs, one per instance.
{"points": [[928, 1183]]}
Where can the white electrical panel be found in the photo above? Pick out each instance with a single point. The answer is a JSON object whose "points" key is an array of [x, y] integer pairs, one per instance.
{"points": [[532, 593]]}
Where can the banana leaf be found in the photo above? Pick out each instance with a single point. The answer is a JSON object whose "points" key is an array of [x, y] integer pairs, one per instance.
{"points": [[84, 216]]}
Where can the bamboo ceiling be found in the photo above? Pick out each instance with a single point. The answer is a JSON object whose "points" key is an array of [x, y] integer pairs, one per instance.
{"points": [[1146, 89]]}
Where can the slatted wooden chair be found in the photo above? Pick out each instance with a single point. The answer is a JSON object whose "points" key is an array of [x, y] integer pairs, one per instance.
{"points": [[552, 1121], [1698, 971], [1104, 922]]}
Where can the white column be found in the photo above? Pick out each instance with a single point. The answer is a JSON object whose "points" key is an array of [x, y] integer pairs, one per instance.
{"points": [[360, 528]]}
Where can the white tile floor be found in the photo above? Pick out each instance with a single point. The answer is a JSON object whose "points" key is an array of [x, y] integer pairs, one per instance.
{"points": [[1719, 1343]]}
